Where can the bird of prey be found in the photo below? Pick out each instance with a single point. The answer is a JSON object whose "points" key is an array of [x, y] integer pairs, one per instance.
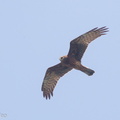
{"points": [[71, 61]]}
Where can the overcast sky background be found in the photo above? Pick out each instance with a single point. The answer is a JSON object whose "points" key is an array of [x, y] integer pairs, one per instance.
{"points": [[33, 35]]}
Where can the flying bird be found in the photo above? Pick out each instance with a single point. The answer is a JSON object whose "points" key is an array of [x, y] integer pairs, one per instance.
{"points": [[71, 61]]}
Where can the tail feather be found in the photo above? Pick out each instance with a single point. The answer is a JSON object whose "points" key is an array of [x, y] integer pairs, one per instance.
{"points": [[89, 72], [86, 70]]}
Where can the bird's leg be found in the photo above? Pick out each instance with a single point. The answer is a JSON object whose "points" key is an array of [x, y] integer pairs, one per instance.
{"points": [[86, 70]]}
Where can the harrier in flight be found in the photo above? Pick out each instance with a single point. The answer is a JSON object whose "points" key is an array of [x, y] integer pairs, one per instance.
{"points": [[70, 61]]}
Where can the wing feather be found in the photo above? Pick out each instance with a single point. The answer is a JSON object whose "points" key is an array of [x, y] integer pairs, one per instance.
{"points": [[79, 45], [51, 78]]}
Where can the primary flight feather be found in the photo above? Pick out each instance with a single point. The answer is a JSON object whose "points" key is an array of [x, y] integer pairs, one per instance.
{"points": [[70, 61]]}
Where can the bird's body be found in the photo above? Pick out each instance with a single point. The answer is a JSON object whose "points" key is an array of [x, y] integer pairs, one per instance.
{"points": [[76, 64], [70, 61]]}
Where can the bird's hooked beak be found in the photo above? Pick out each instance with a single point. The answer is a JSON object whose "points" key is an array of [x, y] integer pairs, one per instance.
{"points": [[61, 58]]}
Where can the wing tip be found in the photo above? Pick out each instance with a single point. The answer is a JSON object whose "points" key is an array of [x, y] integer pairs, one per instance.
{"points": [[47, 95], [105, 28], [102, 31]]}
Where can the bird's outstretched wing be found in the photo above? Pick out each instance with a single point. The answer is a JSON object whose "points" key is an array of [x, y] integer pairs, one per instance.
{"points": [[79, 45], [52, 75]]}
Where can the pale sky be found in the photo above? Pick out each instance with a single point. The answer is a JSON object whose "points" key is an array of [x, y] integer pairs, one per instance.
{"points": [[33, 35]]}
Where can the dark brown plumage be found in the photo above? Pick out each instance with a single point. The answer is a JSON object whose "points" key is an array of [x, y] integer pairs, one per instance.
{"points": [[72, 60]]}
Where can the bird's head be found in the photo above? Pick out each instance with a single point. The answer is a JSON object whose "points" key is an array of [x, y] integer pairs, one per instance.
{"points": [[62, 58]]}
